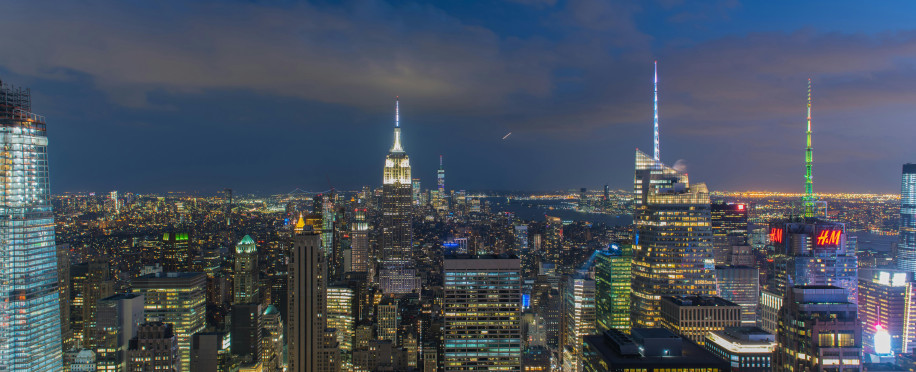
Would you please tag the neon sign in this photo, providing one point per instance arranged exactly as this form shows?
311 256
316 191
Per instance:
828 237
776 235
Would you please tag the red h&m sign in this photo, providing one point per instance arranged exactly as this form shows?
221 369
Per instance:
776 235
828 238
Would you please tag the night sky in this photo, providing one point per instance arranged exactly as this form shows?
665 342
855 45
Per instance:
269 96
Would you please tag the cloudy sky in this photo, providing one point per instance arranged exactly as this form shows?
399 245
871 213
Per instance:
270 96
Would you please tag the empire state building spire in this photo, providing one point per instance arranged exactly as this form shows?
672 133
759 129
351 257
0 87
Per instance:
397 127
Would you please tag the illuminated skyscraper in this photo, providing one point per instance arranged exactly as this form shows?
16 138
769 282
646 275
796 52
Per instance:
741 285
612 286
813 252
341 316
673 250
178 299
30 338
887 308
246 271
310 348
359 242
906 247
440 178
482 311
398 273
580 320
729 229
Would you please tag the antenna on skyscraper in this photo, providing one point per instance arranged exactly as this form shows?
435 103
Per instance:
809 199
397 118
656 154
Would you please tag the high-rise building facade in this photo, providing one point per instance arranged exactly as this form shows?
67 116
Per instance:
119 317
397 274
580 320
246 272
695 316
359 242
309 348
30 339
342 318
155 349
812 252
818 330
612 287
178 299
906 247
673 243
887 309
741 285
729 229
482 313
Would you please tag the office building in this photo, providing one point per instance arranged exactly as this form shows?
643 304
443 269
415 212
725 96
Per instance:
246 332
175 252
729 229
155 349
397 274
906 246
119 317
272 345
31 339
580 319
747 349
812 252
309 347
359 242
210 353
536 359
245 277
388 319
673 246
341 317
612 287
178 299
647 350
768 310
97 285
695 316
482 313
818 330
887 309
741 285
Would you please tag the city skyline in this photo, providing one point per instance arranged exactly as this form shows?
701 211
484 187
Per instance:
731 93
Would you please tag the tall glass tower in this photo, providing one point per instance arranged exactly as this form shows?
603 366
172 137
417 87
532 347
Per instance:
906 249
29 312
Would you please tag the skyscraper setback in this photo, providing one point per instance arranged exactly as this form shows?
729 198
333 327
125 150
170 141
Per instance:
673 238
30 338
398 273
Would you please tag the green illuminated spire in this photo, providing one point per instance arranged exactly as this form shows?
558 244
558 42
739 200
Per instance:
809 199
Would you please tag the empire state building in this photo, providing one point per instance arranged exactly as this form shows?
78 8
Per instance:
398 273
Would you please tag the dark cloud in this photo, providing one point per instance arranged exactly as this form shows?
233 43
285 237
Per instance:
573 86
